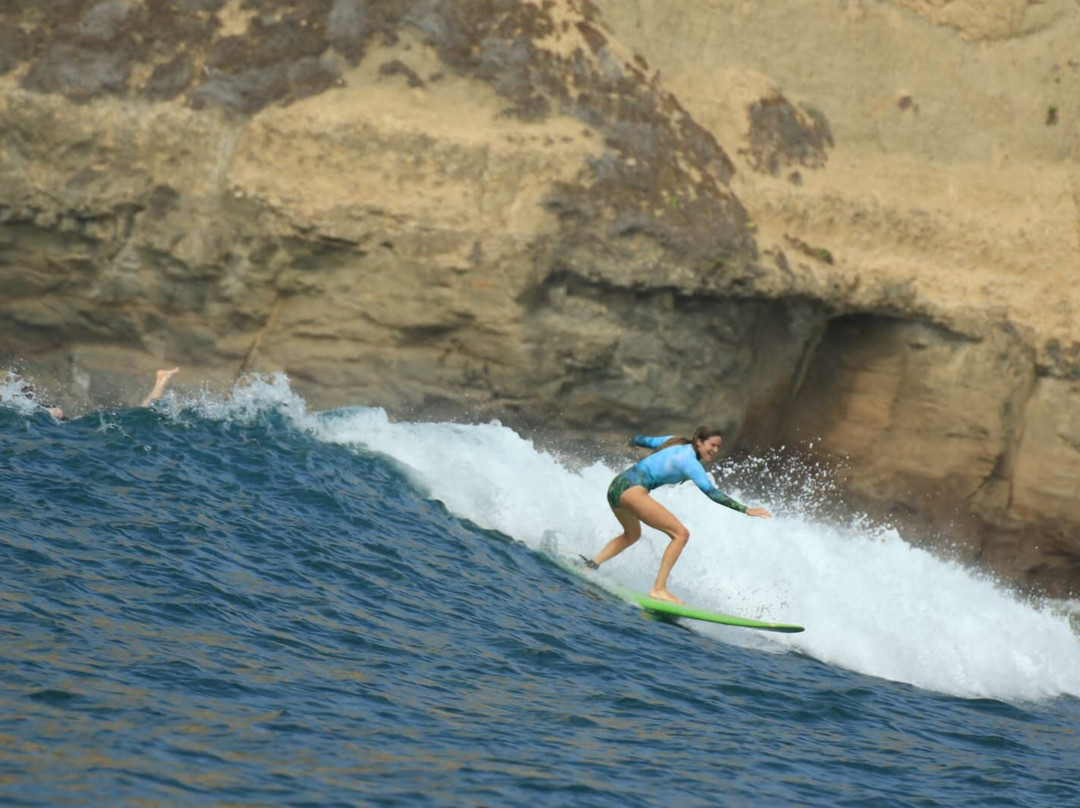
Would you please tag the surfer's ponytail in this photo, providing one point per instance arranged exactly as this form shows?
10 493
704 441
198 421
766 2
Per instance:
702 433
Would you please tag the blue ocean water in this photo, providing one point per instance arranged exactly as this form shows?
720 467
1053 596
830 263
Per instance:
235 601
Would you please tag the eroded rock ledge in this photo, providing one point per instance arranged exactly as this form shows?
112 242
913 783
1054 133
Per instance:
553 213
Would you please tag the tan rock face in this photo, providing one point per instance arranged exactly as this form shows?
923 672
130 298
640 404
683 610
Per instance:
852 224
990 19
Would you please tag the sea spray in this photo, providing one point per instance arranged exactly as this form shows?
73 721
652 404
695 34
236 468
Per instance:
871 601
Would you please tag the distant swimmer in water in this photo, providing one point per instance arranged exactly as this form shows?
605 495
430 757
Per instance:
160 383
674 460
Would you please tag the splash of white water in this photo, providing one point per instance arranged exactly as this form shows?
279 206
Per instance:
871 602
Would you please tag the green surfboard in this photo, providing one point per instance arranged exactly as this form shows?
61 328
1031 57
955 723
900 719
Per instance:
662 607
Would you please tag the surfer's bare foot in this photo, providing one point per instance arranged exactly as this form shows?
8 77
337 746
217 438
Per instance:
663 594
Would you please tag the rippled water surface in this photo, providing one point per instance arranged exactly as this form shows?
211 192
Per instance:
242 603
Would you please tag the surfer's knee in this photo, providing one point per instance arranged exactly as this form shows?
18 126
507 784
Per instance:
679 535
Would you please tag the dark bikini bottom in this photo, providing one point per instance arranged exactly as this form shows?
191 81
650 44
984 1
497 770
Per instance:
626 479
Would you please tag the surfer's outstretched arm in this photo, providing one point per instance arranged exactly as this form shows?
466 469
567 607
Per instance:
718 496
695 471
161 381
647 442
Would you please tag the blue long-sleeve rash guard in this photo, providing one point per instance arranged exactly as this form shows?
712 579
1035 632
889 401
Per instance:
674 465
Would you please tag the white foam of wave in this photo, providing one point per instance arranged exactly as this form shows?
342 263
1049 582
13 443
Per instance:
871 602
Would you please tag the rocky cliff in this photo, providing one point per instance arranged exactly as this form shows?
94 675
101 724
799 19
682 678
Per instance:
851 227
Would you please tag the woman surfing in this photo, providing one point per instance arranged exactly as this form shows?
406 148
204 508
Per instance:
674 460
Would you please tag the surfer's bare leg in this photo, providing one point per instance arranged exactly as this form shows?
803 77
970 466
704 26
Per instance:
160 383
667 561
655 515
631 526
